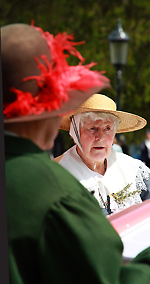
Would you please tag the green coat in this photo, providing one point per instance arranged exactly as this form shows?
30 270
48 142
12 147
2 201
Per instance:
56 230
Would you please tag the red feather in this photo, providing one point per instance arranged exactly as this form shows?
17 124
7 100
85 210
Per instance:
55 80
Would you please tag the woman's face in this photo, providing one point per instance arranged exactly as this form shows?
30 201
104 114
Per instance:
97 138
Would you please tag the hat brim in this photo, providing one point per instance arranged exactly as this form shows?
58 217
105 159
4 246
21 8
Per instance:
76 98
128 122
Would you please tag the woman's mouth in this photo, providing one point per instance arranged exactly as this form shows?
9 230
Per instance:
98 148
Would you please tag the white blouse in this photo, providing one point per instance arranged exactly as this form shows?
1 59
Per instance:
123 181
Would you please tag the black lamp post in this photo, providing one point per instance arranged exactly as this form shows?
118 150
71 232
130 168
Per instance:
118 45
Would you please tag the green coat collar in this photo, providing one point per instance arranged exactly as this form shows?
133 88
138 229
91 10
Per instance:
18 146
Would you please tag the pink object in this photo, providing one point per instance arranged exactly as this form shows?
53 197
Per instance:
129 217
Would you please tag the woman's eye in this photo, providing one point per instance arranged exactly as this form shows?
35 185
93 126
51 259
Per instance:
92 128
107 127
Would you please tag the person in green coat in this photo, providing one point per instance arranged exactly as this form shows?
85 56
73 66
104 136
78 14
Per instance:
57 232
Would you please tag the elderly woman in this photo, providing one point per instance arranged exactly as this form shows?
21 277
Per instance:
116 180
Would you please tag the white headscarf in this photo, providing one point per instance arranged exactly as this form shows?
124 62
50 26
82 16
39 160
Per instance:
74 129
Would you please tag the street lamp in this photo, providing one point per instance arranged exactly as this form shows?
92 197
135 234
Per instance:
118 45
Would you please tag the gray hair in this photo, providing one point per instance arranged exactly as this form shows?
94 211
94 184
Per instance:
92 115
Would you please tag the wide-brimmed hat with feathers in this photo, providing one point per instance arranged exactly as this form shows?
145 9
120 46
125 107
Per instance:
101 103
38 82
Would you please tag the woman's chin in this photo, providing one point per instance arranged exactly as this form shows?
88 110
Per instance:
98 156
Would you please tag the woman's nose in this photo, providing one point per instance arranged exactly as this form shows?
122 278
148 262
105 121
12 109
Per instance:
99 135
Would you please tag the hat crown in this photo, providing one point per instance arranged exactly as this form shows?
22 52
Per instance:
20 44
99 102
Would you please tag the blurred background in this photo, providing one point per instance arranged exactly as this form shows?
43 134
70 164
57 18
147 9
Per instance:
93 21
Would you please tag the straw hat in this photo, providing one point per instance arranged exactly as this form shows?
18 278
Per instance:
101 103
38 83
